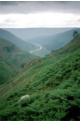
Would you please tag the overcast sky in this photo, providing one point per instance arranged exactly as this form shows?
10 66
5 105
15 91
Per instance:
39 14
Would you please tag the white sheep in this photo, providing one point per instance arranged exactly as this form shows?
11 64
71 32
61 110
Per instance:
25 97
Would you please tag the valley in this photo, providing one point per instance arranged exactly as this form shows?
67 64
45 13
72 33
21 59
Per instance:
44 82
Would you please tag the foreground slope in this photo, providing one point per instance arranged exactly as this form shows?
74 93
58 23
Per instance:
12 60
53 85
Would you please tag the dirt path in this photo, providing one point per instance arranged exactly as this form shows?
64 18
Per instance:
38 49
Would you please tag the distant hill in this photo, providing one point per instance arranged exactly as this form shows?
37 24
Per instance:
25 46
53 42
49 38
30 33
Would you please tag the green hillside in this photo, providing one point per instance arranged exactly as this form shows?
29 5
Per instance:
53 87
12 60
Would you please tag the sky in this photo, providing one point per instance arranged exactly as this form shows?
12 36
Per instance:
39 14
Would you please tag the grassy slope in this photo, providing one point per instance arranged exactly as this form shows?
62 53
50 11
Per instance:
12 60
53 84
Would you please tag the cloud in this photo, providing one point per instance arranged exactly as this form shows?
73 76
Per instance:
31 7
39 14
45 19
